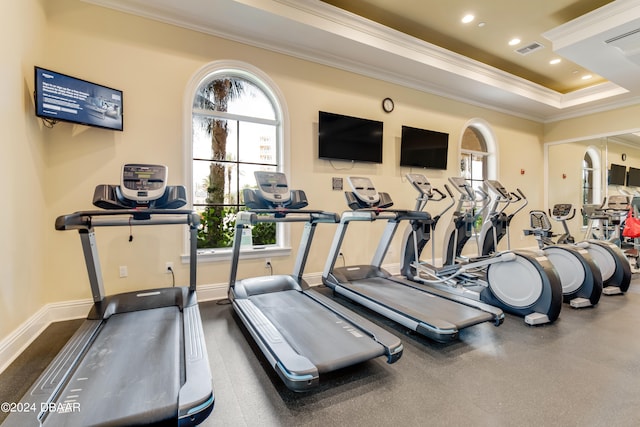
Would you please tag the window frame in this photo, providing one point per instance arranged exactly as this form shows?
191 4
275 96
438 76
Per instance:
596 171
261 80
491 146
489 157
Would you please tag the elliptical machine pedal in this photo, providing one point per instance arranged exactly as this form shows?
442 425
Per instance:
534 319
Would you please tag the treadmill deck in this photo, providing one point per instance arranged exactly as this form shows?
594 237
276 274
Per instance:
443 316
133 364
323 337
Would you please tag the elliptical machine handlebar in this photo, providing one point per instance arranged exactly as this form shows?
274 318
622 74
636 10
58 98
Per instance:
425 193
519 198
446 187
449 206
485 201
442 195
516 197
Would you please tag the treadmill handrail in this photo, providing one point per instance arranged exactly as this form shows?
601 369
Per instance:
255 216
250 217
85 220
384 214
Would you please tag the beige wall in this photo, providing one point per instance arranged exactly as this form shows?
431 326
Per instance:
23 225
153 63
614 122
565 181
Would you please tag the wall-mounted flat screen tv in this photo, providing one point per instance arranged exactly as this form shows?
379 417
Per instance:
60 97
423 148
633 177
617 174
349 138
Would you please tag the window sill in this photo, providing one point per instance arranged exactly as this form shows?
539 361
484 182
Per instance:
217 255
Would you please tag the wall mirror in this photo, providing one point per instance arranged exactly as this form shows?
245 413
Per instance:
577 172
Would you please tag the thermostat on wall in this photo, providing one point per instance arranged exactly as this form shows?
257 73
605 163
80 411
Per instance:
336 183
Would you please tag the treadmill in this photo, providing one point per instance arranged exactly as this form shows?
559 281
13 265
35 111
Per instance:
429 311
140 357
301 332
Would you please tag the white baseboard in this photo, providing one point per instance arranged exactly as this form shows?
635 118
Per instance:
16 342
212 292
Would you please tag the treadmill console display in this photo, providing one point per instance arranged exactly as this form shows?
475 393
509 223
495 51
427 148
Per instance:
143 183
420 183
363 189
272 186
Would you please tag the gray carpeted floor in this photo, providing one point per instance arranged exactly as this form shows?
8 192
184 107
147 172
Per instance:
583 370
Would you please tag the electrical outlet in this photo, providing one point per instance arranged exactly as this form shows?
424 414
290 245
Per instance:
168 267
124 271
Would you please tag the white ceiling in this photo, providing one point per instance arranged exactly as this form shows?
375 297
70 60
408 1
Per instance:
605 41
487 36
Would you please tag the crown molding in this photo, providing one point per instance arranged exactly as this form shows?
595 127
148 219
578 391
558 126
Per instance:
330 36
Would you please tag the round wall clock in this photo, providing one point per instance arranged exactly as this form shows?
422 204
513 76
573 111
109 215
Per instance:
387 105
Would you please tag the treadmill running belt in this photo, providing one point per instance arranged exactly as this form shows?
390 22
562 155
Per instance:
323 337
418 304
131 373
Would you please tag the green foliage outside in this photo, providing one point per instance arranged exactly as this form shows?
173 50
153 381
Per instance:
217 228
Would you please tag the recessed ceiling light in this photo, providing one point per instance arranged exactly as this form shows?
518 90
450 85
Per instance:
468 18
514 42
481 24
555 61
586 77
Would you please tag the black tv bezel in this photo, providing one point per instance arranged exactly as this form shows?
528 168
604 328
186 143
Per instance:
54 119
610 175
404 162
637 174
379 157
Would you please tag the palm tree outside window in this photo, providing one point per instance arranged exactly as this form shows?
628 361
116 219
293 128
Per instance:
235 131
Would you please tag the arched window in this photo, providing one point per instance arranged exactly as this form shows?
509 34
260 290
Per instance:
478 152
591 179
236 127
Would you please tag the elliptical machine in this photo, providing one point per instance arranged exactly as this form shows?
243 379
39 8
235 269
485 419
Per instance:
496 223
580 278
537 296
605 221
580 275
611 261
